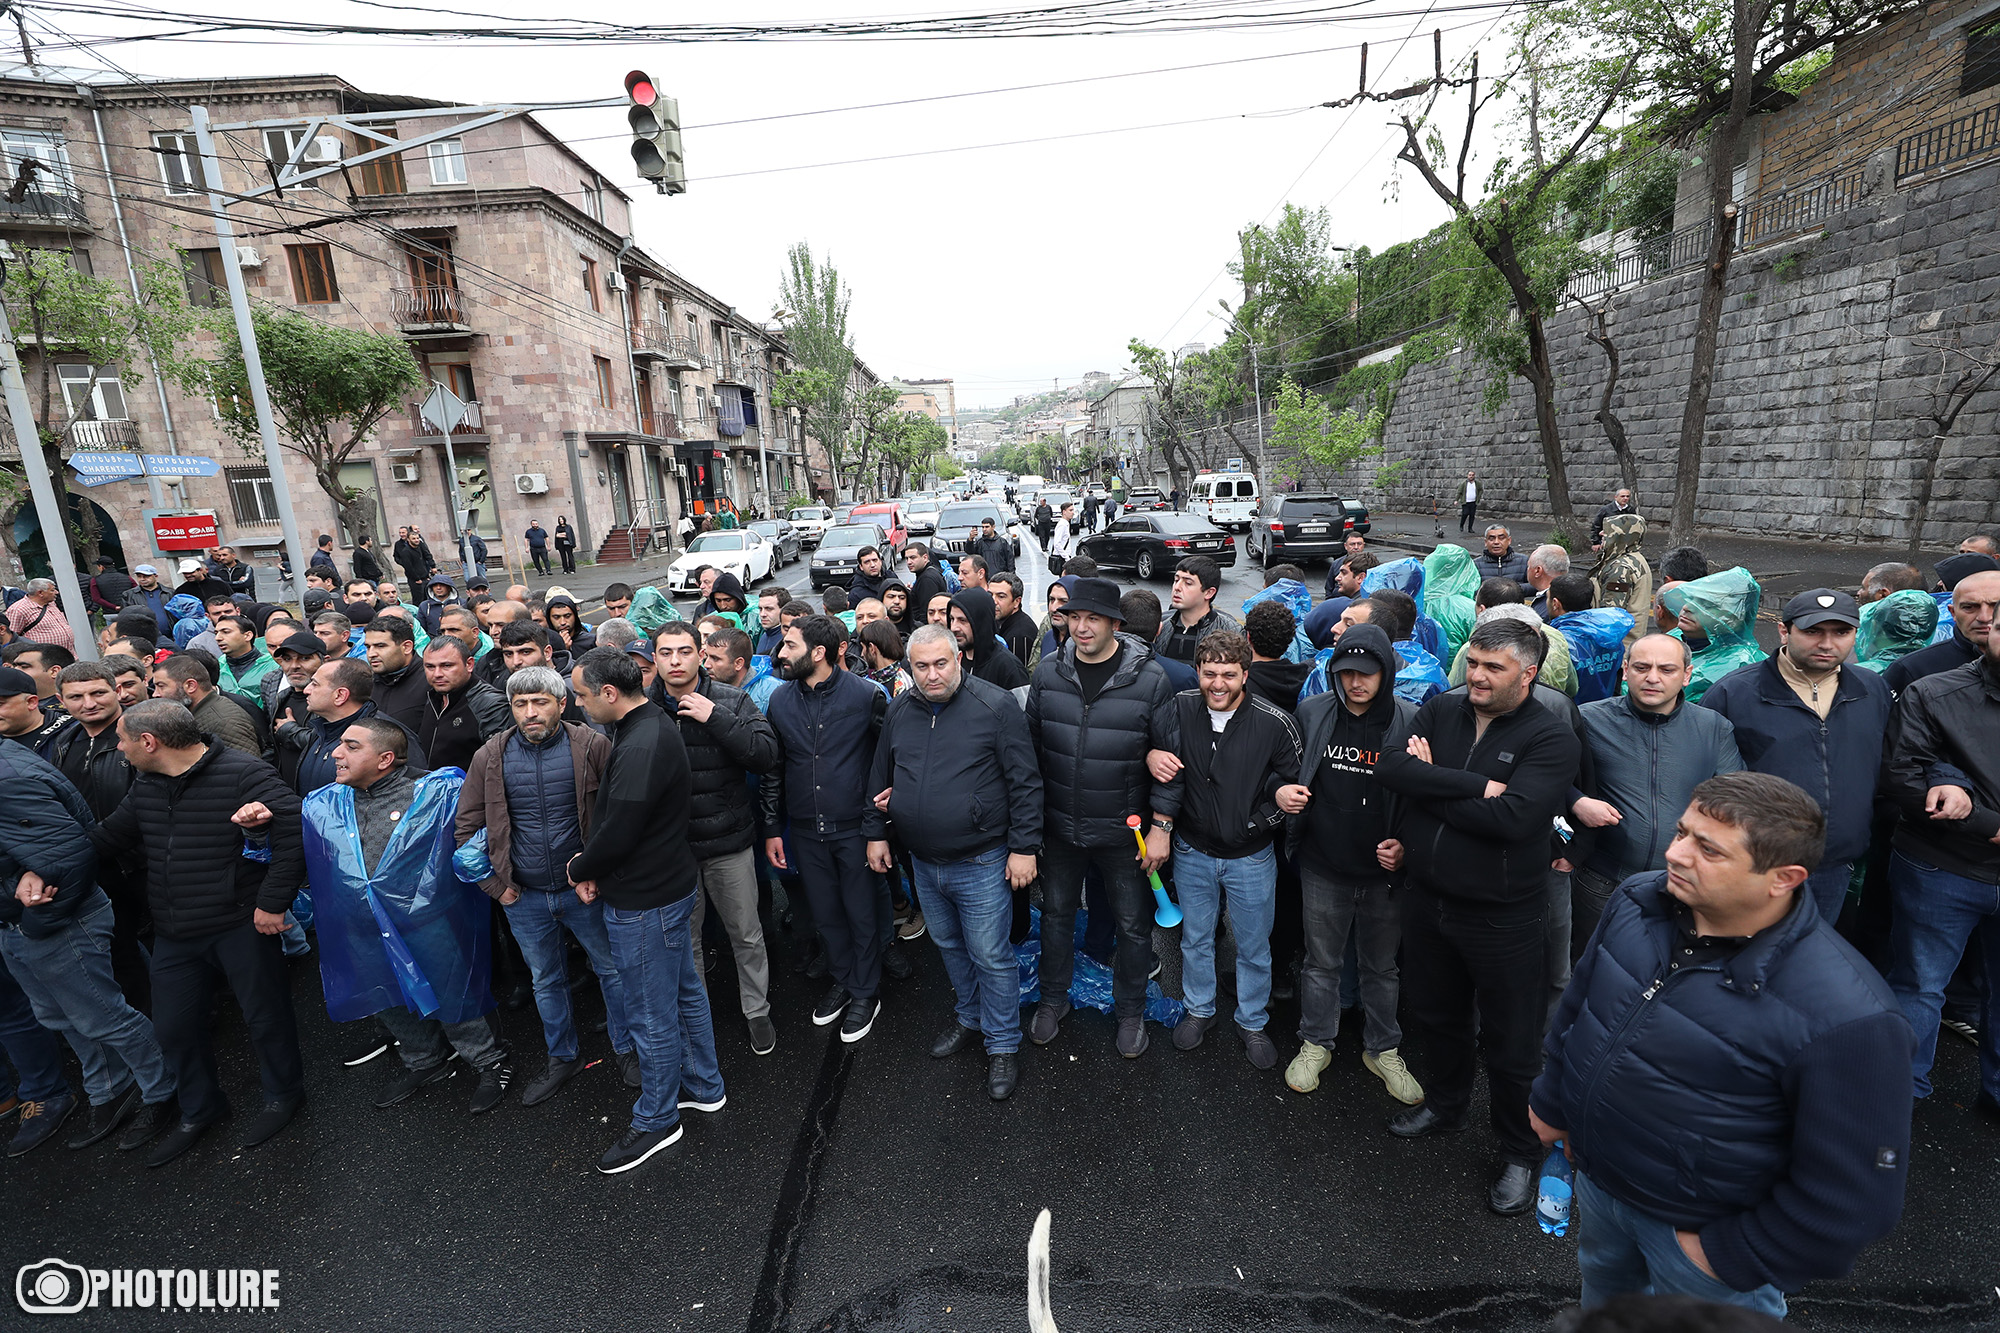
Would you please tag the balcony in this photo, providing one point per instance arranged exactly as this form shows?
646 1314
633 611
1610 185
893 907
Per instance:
103 435
432 310
652 342
40 207
660 425
473 425
733 370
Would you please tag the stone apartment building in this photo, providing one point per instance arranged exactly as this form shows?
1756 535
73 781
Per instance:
600 384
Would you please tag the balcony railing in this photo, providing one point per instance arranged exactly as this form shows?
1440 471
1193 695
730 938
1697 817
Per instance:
732 370
660 425
1769 218
429 307
103 434
55 208
474 423
1953 141
653 341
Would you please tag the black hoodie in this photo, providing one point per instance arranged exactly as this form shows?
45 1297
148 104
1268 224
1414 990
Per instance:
1279 682
728 585
584 639
991 662
1351 812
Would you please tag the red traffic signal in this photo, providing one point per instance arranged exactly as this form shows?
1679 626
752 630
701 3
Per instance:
639 87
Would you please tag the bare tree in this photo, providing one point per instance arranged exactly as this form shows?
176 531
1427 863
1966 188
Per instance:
1961 376
1598 330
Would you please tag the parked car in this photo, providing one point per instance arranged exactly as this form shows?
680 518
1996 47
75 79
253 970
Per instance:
1149 544
887 515
1303 527
812 521
958 523
784 539
839 553
920 515
1144 500
744 553
1226 499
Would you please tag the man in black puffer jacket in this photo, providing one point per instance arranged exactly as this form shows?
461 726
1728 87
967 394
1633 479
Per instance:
1483 776
218 903
460 713
1095 711
727 738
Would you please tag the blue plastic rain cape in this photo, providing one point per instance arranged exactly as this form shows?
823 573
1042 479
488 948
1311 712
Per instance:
1299 602
1596 640
471 862
1896 626
1405 575
1090 982
1724 605
1451 581
412 935
1418 674
1946 626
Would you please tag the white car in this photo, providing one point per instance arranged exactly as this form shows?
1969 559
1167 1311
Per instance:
920 515
743 553
812 521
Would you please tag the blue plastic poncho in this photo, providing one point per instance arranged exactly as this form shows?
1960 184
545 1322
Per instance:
1090 983
1299 601
1596 640
1946 626
1724 607
1895 626
1405 575
1418 674
189 621
1451 582
413 934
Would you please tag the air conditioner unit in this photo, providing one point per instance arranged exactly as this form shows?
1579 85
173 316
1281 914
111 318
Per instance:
325 148
531 483
249 256
715 401
615 280
403 471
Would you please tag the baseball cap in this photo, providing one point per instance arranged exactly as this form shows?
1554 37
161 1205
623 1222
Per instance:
1354 658
1816 606
303 642
145 569
192 566
15 681
640 648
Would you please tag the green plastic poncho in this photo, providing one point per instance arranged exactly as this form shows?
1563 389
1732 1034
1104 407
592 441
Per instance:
1450 585
1894 627
1558 671
1724 607
651 609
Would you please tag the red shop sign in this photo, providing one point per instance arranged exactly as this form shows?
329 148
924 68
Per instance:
185 532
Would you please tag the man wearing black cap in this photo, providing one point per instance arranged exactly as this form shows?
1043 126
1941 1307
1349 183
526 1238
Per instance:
22 717
1974 583
1799 716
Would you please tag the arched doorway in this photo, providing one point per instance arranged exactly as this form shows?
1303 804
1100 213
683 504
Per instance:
34 549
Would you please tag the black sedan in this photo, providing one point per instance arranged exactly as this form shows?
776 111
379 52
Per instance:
1145 499
839 553
1303 527
784 539
1149 544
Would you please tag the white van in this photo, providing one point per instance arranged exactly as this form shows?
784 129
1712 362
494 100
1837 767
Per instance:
1226 499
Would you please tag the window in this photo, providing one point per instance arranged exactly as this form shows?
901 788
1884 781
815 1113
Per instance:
50 174
1982 59
180 165
430 262
592 200
385 174
458 378
590 283
92 393
312 274
207 284
252 495
279 145
646 422
602 365
447 157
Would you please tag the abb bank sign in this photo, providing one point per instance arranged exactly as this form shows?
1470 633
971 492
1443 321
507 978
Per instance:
194 531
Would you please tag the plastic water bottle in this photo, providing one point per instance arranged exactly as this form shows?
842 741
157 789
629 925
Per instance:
1553 1198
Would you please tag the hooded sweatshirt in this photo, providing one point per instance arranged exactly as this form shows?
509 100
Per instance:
728 585
1350 811
989 659
1279 681
584 640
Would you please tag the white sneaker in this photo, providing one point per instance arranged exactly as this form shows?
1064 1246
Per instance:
1395 1076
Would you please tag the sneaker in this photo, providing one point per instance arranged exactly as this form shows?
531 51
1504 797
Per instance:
104 1120
763 1035
1049 1015
150 1121
860 1017
911 927
1302 1074
1959 1027
493 1081
268 1123
1258 1046
896 964
39 1123
1395 1076
1132 1039
628 1068
707 1108
367 1050
1190 1030
550 1081
635 1147
406 1082
830 1007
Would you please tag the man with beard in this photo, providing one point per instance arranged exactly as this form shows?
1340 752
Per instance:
1011 621
971 623
460 714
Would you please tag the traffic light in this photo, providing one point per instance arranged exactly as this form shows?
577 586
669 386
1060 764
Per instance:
656 134
475 486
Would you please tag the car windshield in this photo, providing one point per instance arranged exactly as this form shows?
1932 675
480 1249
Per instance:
925 506
716 541
853 536
968 515
1146 493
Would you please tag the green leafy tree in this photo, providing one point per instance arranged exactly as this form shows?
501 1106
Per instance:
330 388
1306 428
71 317
821 384
1173 409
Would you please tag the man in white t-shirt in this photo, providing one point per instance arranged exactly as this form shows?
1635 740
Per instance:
1468 514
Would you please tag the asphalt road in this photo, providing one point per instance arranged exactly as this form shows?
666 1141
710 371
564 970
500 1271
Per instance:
869 1187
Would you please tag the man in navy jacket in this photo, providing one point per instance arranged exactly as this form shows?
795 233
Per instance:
1725 1072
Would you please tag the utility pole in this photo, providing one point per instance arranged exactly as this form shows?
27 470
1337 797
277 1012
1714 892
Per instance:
55 524
1257 392
246 336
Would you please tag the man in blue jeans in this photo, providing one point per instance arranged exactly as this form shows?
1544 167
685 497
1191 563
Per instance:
637 861
955 773
35 1086
55 938
1240 759
1943 773
1725 1071
534 790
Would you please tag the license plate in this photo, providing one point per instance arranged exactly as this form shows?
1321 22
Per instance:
1312 529
1207 546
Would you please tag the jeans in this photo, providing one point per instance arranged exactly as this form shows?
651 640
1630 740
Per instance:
1621 1250
538 917
1338 909
427 1043
1249 886
730 881
540 556
67 978
969 909
1468 514
1589 894
1828 886
32 1049
184 976
666 1003
1063 865
847 902
1473 976
1556 933
1936 912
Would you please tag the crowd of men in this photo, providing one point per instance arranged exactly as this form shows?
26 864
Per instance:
1705 945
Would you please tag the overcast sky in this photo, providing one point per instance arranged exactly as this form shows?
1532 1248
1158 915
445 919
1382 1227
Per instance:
1008 269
